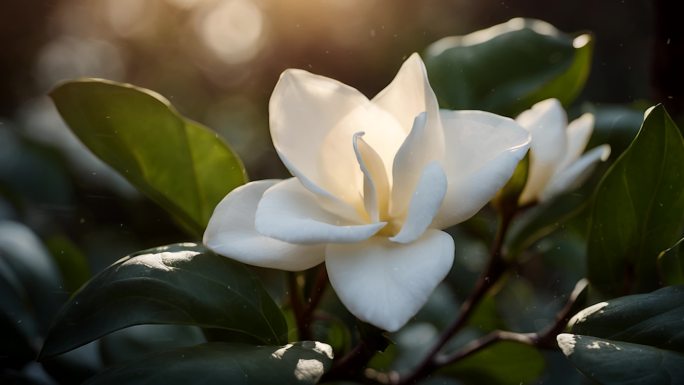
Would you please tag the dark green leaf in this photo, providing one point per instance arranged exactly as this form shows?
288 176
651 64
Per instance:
222 363
137 341
653 319
75 366
638 209
500 364
621 363
177 284
181 165
635 339
508 67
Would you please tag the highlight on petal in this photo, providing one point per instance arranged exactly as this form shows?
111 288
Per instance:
303 109
231 233
425 203
410 99
413 156
576 173
289 212
408 164
482 151
313 120
386 283
339 173
375 183
578 134
546 122
329 202
409 94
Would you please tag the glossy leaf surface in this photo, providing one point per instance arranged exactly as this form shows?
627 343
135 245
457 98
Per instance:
178 163
176 284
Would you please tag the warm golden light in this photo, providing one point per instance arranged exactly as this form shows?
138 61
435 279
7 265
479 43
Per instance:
232 30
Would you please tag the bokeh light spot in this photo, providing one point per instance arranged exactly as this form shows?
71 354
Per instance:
232 30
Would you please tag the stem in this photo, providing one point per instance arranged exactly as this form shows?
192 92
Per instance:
495 269
348 367
317 292
483 342
351 366
303 330
545 339
304 312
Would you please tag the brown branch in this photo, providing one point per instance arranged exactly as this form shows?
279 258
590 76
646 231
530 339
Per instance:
495 269
304 312
316 293
483 342
351 366
303 331
545 339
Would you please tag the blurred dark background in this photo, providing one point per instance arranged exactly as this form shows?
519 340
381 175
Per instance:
218 60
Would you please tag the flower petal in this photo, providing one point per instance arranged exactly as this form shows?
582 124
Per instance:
303 109
327 200
409 94
576 173
482 151
546 121
406 98
289 212
375 183
386 283
313 120
414 155
231 233
578 134
424 205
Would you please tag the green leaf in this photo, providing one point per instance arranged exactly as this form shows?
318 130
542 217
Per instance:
614 125
176 284
137 341
508 67
638 209
622 363
652 319
222 363
635 339
181 165
501 364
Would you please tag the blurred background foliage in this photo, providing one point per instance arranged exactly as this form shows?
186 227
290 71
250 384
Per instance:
217 62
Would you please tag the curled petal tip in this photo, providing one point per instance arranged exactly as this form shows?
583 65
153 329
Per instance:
605 153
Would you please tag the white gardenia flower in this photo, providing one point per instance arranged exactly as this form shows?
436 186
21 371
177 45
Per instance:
374 182
556 161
